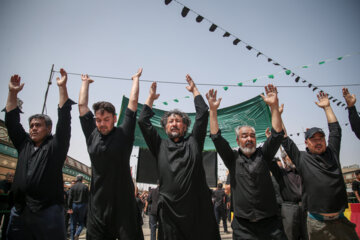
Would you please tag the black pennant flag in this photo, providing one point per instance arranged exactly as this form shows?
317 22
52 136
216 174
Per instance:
269 59
304 81
167 2
276 64
331 97
226 34
249 47
335 100
199 18
343 105
314 88
212 28
185 11
310 85
259 53
338 103
297 79
236 41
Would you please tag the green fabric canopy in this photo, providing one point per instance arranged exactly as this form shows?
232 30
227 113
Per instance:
253 112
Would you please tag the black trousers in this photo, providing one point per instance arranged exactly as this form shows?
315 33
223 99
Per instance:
294 220
264 229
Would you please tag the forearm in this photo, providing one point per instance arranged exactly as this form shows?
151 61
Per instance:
63 95
330 115
84 98
276 120
134 95
149 102
214 125
11 103
195 92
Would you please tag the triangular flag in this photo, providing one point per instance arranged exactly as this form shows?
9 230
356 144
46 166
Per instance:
225 88
269 59
185 11
249 47
212 28
258 54
167 2
254 80
187 97
314 88
330 97
240 84
276 64
339 58
165 103
322 62
338 103
236 41
271 76
176 100
304 81
226 34
343 105
199 18
310 85
287 72
305 66
297 79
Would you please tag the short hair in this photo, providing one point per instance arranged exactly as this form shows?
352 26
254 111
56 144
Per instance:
46 118
79 178
104 106
220 185
357 172
283 155
237 129
185 118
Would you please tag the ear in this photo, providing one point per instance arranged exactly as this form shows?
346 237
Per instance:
238 141
114 118
49 128
306 142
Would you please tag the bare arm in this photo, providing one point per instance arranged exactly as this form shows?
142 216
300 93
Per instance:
134 94
61 82
15 86
84 94
214 105
324 103
152 95
192 87
271 99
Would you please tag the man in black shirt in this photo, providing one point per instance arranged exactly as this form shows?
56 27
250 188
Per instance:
353 115
112 210
323 183
253 196
185 208
5 202
220 200
356 185
78 200
153 200
38 183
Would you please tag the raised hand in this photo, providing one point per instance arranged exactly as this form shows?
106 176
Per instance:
271 98
281 108
267 133
349 98
86 78
323 100
15 84
213 102
152 92
137 75
62 81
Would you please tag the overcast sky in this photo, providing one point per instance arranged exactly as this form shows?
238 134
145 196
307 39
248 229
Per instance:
115 38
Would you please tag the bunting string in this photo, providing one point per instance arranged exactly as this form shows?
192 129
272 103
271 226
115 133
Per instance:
213 27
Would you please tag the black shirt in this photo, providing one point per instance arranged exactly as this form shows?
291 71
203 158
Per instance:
289 182
112 206
185 198
252 191
354 121
219 198
323 182
79 193
356 186
38 180
153 199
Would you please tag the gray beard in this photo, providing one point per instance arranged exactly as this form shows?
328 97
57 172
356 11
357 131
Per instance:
173 135
248 150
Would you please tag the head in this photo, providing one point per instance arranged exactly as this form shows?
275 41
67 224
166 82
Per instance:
220 185
73 182
357 174
246 139
79 178
40 126
105 117
315 140
9 177
175 124
287 161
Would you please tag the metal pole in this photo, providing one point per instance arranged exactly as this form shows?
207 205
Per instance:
47 90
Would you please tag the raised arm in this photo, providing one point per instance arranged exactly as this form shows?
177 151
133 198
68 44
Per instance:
61 82
214 105
324 103
192 87
271 99
84 94
134 94
15 86
152 95
353 115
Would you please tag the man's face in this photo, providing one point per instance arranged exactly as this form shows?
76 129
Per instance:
316 144
247 140
10 177
104 122
175 127
38 130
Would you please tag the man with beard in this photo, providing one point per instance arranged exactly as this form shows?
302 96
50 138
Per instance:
353 115
323 183
184 208
253 195
112 210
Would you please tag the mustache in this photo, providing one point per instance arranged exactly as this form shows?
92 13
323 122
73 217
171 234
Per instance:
248 143
318 145
174 128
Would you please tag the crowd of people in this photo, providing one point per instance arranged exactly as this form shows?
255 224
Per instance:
310 183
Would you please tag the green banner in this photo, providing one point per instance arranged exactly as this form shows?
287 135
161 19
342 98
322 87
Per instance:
253 112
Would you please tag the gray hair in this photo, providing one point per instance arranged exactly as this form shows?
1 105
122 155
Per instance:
45 117
185 118
237 129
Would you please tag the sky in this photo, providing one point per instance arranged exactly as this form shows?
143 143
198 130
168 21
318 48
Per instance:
116 37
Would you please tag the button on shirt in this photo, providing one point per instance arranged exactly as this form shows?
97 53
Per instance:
251 186
38 180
